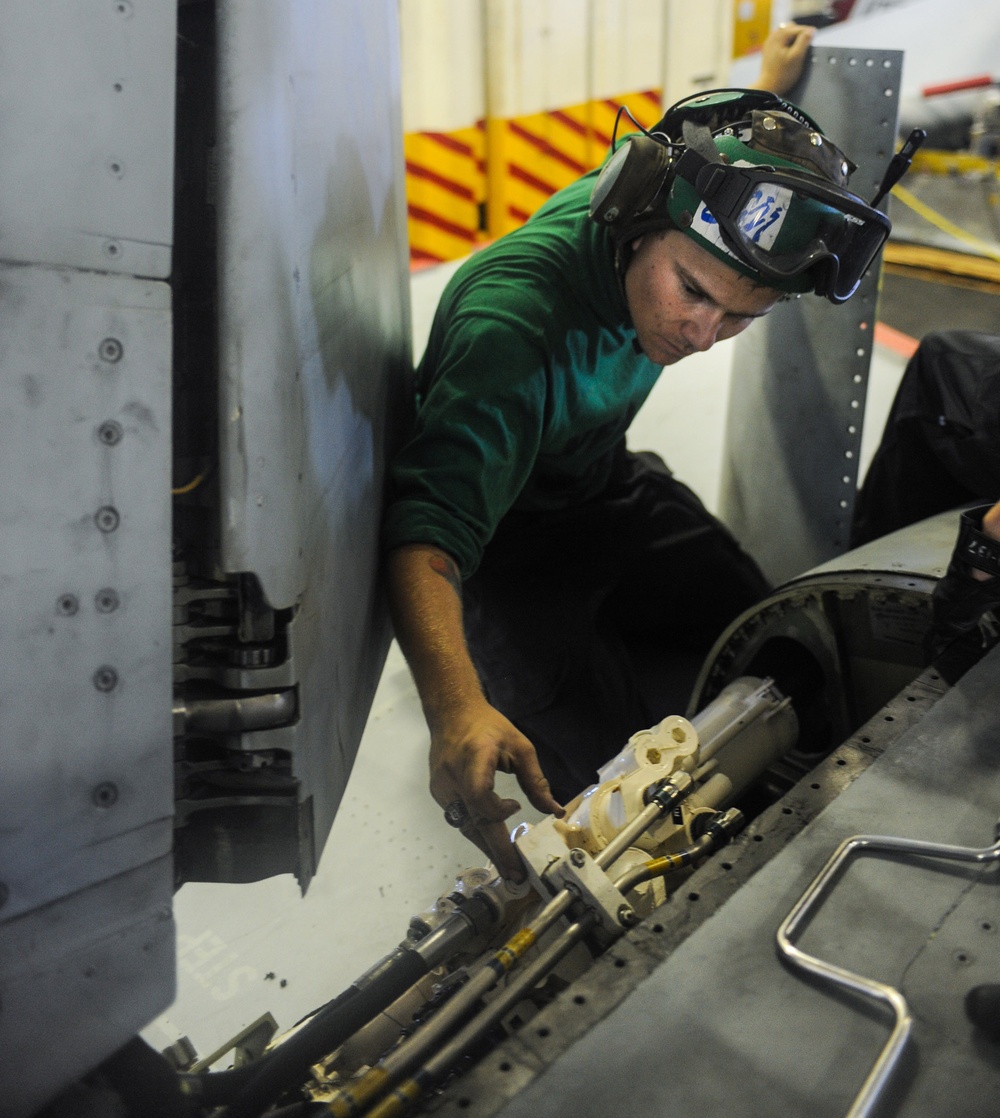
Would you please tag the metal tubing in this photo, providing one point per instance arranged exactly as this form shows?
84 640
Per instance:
405 1057
443 942
660 867
451 1052
239 714
439 1063
412 1051
451 1014
681 786
884 1066
356 1099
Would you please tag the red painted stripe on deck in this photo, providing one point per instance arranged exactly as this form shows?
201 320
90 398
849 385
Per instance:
895 340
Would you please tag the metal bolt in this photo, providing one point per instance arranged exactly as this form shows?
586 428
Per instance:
110 432
110 350
770 123
252 656
112 250
67 605
105 794
815 139
105 678
116 168
107 519
627 917
106 601
124 9
577 857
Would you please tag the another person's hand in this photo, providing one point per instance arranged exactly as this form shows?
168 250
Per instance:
783 56
966 602
990 527
465 756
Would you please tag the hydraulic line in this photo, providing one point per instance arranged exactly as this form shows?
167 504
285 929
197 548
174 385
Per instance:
661 799
356 1098
869 1095
237 714
253 1089
437 1066
288 1064
720 830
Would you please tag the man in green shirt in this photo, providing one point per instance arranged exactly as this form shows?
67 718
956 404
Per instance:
532 560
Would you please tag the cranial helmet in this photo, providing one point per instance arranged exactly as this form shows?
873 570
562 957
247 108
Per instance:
754 181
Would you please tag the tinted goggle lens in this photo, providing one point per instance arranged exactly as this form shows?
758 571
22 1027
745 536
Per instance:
750 207
844 243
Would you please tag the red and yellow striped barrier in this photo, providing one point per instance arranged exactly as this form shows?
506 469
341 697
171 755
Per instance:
531 157
445 192
507 167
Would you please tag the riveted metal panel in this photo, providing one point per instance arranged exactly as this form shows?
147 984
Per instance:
86 765
86 178
84 588
78 978
793 431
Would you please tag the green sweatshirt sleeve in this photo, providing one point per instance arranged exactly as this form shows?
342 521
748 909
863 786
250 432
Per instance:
475 441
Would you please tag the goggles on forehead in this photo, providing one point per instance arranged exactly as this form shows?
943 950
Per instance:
749 205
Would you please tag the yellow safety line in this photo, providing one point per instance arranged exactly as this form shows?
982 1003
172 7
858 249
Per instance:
942 223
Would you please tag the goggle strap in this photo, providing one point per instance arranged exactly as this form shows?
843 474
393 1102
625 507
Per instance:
698 138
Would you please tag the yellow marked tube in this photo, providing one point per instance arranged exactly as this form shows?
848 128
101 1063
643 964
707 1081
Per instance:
521 942
396 1104
665 864
352 1100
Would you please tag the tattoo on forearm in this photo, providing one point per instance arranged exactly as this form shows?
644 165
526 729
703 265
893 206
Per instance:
448 570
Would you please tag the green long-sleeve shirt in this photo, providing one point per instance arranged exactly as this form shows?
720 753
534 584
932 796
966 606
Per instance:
530 378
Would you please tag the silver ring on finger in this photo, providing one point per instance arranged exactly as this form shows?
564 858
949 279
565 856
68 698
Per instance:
456 814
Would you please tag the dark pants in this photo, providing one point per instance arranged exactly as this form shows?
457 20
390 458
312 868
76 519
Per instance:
589 623
941 446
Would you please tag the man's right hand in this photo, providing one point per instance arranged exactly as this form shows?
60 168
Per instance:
470 740
467 749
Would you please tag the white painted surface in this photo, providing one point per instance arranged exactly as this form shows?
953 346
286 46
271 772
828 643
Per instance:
444 83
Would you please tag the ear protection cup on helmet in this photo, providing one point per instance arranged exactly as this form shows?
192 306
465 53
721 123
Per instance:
630 180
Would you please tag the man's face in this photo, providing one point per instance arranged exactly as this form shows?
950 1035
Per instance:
683 299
